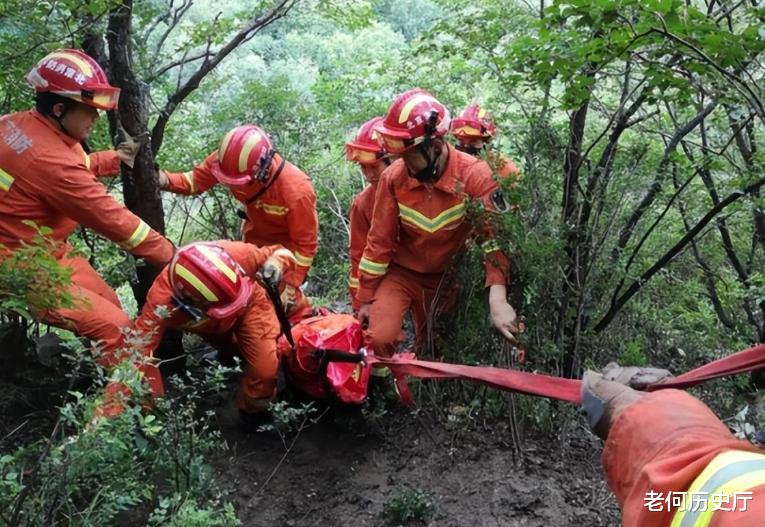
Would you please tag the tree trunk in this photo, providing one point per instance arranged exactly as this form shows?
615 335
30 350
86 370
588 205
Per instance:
140 187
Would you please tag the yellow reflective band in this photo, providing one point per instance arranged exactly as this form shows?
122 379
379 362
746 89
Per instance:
729 473
417 219
195 282
6 180
138 236
82 64
274 210
490 246
252 140
224 145
217 262
87 160
303 260
372 267
189 177
353 282
409 106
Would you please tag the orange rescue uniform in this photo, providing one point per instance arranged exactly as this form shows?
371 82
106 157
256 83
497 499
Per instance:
46 178
360 220
252 332
416 231
284 214
669 443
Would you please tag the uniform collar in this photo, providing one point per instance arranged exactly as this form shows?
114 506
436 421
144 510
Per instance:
447 180
67 139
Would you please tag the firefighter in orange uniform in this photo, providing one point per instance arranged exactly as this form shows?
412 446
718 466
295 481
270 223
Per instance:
419 223
279 201
474 129
365 150
208 289
47 178
667 447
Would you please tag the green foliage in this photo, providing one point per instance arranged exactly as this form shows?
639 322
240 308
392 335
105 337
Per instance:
32 280
409 506
93 469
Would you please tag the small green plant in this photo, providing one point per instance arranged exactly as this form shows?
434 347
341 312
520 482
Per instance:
633 355
31 279
408 506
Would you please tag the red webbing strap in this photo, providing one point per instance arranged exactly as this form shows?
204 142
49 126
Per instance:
568 390
745 361
517 381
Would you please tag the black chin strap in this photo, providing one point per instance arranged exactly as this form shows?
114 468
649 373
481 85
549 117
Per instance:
429 172
472 150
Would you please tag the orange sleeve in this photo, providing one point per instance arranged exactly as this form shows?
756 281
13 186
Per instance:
195 181
358 239
381 240
105 163
303 225
661 443
150 326
85 200
482 186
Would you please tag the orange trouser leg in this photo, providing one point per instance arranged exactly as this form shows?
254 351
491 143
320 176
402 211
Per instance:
429 305
96 313
256 336
392 300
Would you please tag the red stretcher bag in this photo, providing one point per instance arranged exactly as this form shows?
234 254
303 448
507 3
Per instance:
327 362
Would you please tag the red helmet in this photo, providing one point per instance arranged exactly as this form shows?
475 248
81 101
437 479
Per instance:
413 116
365 149
473 123
206 277
74 75
244 155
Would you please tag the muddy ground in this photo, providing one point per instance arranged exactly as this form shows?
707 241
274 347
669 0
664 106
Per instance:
348 468
353 465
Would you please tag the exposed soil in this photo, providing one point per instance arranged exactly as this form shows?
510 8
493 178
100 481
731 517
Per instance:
347 468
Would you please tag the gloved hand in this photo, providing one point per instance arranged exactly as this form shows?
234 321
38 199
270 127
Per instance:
162 178
634 376
603 401
127 150
271 272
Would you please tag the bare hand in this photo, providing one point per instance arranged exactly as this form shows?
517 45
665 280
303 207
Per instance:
288 297
503 316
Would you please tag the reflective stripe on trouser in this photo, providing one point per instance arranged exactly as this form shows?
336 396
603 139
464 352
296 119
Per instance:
255 336
96 314
399 292
731 472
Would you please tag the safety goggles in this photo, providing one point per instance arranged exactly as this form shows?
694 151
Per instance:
102 98
467 131
363 157
395 145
